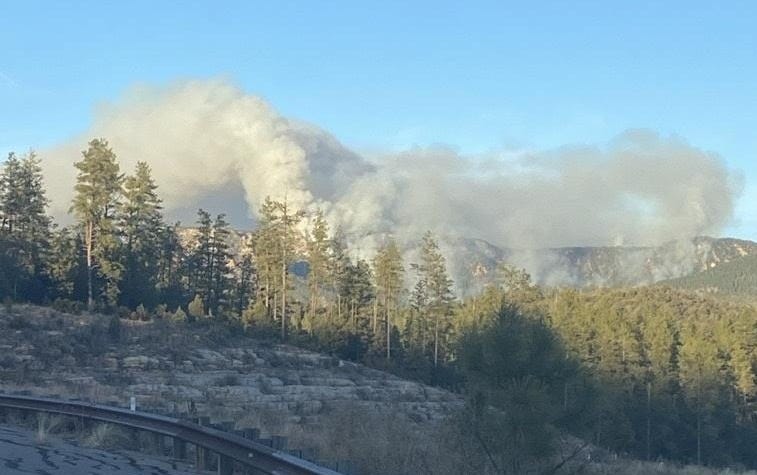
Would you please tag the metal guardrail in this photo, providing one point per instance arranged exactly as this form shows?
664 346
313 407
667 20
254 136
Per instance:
229 447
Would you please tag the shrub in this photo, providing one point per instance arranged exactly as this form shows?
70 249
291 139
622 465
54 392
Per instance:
179 316
196 308
140 313
161 311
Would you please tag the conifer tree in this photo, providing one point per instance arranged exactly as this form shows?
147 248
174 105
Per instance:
141 225
388 273
267 257
24 226
66 266
245 280
432 271
211 262
318 263
276 245
95 203
174 269
338 264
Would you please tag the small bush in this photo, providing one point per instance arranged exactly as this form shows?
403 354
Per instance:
196 308
179 316
161 311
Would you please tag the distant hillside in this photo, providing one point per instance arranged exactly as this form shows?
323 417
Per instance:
473 263
738 277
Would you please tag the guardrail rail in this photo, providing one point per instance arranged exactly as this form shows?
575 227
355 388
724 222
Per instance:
230 447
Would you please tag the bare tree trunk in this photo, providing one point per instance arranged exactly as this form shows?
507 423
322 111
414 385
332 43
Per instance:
89 235
374 324
388 333
283 298
436 340
649 421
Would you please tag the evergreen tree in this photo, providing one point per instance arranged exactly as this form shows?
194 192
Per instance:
211 262
338 264
141 224
66 266
267 258
174 268
25 228
432 271
388 273
245 280
318 263
95 203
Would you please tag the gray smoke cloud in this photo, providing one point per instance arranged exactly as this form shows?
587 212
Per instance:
210 140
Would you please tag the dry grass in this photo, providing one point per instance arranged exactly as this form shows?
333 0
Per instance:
633 467
106 436
48 424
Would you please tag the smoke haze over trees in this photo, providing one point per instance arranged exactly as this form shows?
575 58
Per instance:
652 372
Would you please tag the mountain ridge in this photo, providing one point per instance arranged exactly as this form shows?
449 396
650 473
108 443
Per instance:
473 263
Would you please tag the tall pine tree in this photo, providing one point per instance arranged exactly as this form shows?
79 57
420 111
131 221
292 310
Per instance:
141 226
95 204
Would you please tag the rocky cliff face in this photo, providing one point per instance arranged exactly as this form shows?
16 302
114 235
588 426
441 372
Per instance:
198 371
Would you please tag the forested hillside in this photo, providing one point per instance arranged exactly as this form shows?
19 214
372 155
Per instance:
652 372
735 278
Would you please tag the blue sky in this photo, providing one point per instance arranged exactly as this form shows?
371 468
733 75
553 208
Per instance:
387 75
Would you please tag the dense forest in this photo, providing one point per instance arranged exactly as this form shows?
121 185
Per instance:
735 278
653 372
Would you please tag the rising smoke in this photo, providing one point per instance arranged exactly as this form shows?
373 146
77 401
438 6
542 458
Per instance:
210 140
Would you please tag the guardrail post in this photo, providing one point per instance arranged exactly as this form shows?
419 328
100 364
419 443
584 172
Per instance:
179 449
251 433
225 465
278 442
199 457
157 443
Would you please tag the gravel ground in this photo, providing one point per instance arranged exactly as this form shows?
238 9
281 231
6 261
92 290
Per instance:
21 454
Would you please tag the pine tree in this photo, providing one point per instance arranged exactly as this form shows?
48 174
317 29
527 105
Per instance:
174 268
210 260
289 237
338 264
432 271
267 257
318 263
388 273
141 224
11 195
95 203
245 280
66 266
25 227
276 244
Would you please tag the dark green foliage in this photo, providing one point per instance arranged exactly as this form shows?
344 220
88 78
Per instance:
141 227
738 277
24 229
95 206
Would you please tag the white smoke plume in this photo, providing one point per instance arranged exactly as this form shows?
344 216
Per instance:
209 140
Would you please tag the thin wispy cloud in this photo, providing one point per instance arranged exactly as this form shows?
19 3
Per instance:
6 81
